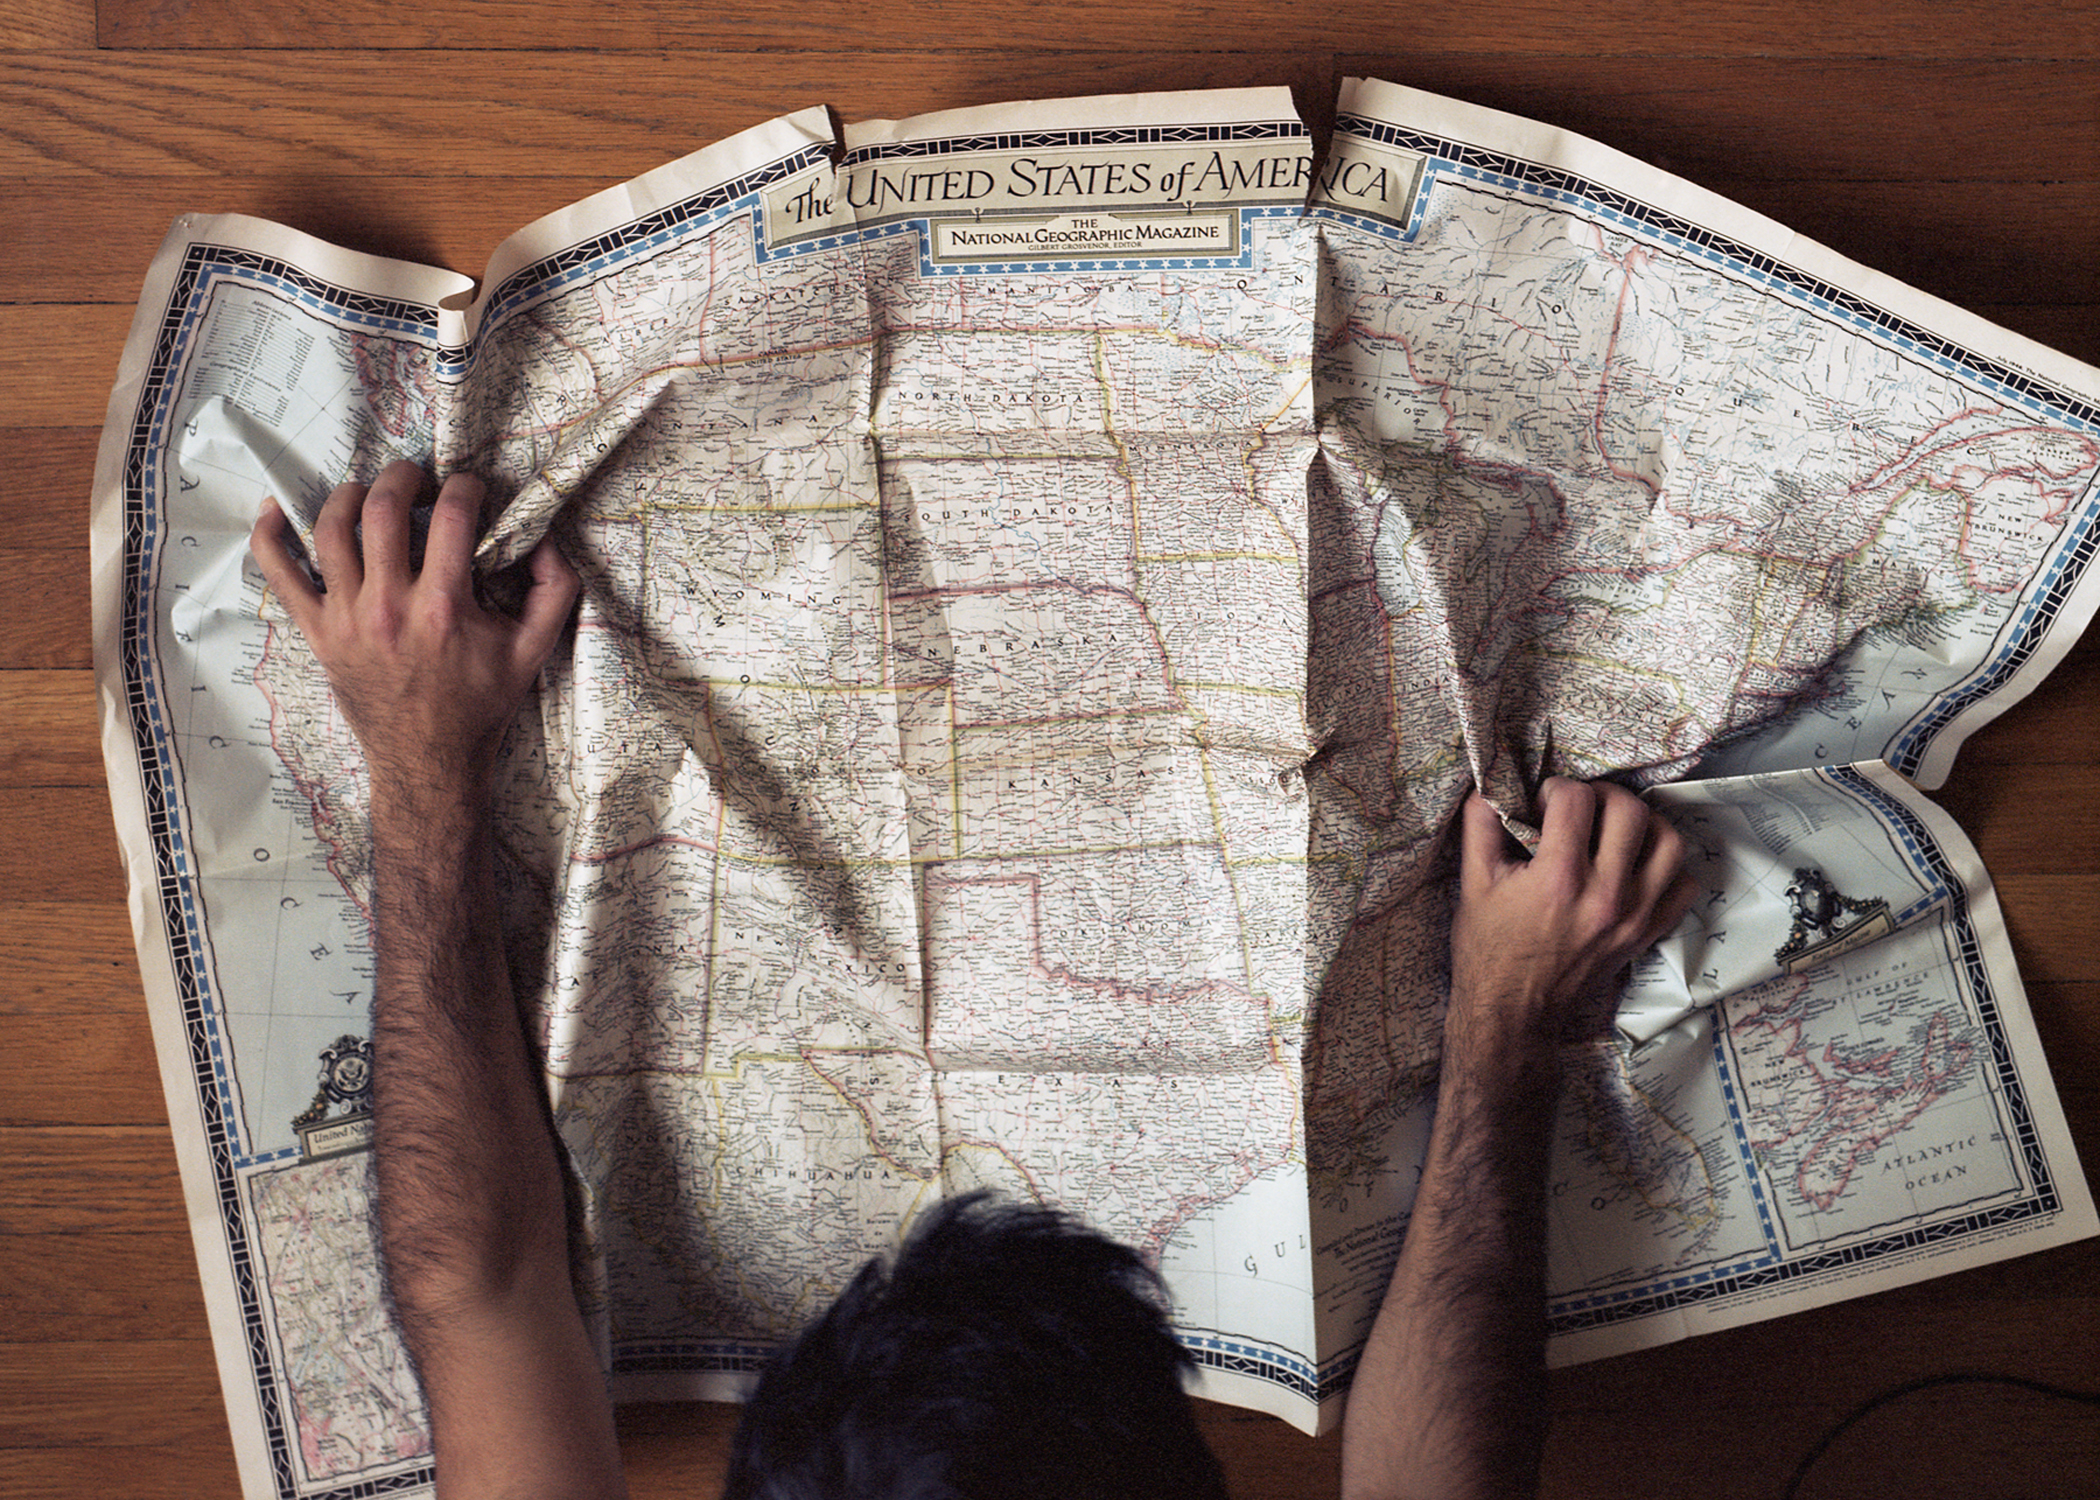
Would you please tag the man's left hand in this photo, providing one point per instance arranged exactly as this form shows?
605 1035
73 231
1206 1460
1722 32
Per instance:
428 677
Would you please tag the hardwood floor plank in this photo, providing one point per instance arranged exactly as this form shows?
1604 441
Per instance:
682 1449
1975 1440
676 1448
605 115
49 732
78 242
69 1071
193 1465
2046 821
1752 119
612 115
1902 28
2074 330
1267 1458
70 1288
66 958
28 25
2054 724
2050 918
1715 1416
89 1178
57 364
73 854
2067 1015
116 1393
2032 241
51 472
48 630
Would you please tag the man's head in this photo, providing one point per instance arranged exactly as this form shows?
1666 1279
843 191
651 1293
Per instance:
1005 1352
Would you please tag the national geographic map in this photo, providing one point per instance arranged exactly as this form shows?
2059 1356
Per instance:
1050 578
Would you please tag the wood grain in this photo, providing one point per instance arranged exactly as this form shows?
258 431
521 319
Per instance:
39 24
1952 143
72 1287
683 1451
2046 821
2074 330
50 475
612 115
81 242
89 1179
64 749
608 116
2067 1014
80 1071
57 363
63 959
2050 918
159 1376
1748 119
65 847
184 1464
2054 724
1825 28
49 628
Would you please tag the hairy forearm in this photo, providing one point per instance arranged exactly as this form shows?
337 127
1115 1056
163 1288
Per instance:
472 1226
472 1221
1450 1397
470 1192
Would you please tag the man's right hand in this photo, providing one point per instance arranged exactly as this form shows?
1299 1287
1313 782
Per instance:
1450 1397
1540 942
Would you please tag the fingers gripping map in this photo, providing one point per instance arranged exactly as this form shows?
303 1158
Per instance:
1050 577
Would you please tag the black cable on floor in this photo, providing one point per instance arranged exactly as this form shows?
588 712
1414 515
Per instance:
1911 1387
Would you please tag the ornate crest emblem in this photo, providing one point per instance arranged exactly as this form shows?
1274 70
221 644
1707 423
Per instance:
1827 922
339 1120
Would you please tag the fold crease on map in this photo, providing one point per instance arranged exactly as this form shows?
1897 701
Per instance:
1051 574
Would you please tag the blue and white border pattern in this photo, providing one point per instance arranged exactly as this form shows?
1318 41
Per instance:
1778 1266
2060 576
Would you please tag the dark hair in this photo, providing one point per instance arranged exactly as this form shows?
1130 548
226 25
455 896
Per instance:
1006 1353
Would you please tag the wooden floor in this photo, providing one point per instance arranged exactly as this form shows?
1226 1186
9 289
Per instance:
1956 145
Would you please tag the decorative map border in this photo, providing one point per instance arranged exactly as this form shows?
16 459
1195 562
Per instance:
1781 1265
174 872
1495 168
1230 133
588 259
2023 633
160 774
604 253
